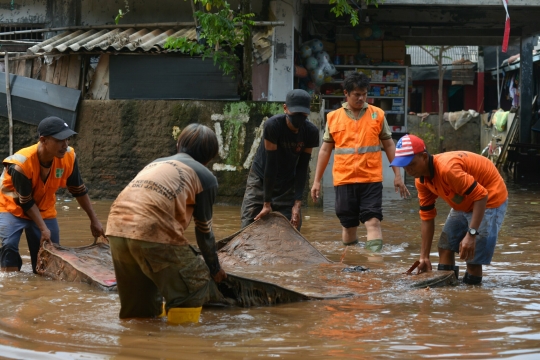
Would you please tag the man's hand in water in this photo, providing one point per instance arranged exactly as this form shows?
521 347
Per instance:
220 276
424 266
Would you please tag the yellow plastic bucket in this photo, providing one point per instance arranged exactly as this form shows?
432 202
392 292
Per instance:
183 315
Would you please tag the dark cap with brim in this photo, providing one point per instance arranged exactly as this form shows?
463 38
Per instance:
55 127
298 101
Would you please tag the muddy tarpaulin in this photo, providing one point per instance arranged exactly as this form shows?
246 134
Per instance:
87 264
268 262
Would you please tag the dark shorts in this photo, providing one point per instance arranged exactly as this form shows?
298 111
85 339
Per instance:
252 204
456 227
147 272
357 203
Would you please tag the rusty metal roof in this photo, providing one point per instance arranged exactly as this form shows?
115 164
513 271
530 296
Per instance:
136 40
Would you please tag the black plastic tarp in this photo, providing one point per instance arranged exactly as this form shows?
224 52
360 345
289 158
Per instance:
33 100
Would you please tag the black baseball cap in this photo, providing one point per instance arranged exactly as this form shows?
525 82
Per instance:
298 101
55 127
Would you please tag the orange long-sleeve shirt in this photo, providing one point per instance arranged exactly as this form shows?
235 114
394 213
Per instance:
460 178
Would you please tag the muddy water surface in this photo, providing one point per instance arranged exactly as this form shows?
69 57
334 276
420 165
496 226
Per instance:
45 319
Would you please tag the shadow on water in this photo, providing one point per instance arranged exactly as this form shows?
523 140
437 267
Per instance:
45 319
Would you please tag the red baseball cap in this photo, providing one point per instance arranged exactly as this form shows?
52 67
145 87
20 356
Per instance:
406 148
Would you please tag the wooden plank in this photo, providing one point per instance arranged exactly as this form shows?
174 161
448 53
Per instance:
28 64
102 71
50 72
103 91
36 68
64 70
14 64
43 71
57 70
21 68
74 72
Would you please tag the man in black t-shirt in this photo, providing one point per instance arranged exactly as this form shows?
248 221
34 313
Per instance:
278 175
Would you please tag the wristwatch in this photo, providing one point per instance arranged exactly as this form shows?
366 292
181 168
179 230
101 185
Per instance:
473 231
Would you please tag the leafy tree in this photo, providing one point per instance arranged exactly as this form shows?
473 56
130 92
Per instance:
219 33
342 7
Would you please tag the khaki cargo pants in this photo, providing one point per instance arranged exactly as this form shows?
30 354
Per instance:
147 272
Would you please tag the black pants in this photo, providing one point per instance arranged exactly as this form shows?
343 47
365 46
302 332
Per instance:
282 201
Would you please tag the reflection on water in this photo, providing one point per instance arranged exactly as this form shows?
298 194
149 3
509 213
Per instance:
45 319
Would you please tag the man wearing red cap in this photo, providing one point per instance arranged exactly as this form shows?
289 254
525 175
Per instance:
475 191
28 186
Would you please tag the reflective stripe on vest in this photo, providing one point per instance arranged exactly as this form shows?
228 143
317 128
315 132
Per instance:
17 157
360 150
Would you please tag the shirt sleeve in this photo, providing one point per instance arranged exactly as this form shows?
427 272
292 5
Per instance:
385 133
74 182
271 131
23 187
427 201
202 215
327 137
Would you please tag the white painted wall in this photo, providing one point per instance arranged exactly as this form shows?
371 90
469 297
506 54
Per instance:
281 72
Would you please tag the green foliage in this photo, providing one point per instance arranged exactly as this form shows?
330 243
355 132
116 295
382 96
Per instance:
427 133
220 33
233 125
121 13
342 7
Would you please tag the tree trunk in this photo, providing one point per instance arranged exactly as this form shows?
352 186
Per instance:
441 99
247 78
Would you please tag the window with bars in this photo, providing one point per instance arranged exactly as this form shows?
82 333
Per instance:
13 28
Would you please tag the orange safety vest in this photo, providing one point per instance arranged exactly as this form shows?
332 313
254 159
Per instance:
44 194
357 153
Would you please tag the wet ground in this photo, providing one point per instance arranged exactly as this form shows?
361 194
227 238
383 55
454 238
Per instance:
45 319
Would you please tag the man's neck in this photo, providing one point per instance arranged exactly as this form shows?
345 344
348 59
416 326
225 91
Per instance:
44 158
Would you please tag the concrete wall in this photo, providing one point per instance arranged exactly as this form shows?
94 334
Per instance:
57 13
118 138
24 12
466 137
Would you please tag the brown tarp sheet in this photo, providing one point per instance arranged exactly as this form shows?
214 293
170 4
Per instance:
268 262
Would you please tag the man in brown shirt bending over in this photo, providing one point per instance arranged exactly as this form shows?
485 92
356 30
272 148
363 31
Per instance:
152 257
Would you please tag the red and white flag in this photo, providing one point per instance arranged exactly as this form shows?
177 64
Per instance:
506 27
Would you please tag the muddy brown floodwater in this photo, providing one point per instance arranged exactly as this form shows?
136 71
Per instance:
45 319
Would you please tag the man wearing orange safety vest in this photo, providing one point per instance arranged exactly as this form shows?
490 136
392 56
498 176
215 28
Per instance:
356 132
475 191
28 186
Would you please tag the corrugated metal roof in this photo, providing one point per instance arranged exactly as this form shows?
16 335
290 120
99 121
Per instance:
136 40
420 57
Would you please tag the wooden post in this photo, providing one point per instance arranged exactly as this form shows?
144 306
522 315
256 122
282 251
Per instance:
8 102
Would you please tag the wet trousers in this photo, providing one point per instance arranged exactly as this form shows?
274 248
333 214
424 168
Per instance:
147 272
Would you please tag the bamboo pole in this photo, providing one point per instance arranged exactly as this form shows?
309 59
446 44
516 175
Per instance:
8 102
126 26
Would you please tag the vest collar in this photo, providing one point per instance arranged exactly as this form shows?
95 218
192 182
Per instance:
346 105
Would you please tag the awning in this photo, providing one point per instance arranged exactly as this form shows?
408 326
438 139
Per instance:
137 40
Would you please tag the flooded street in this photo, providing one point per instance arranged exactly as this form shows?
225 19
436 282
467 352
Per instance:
45 319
